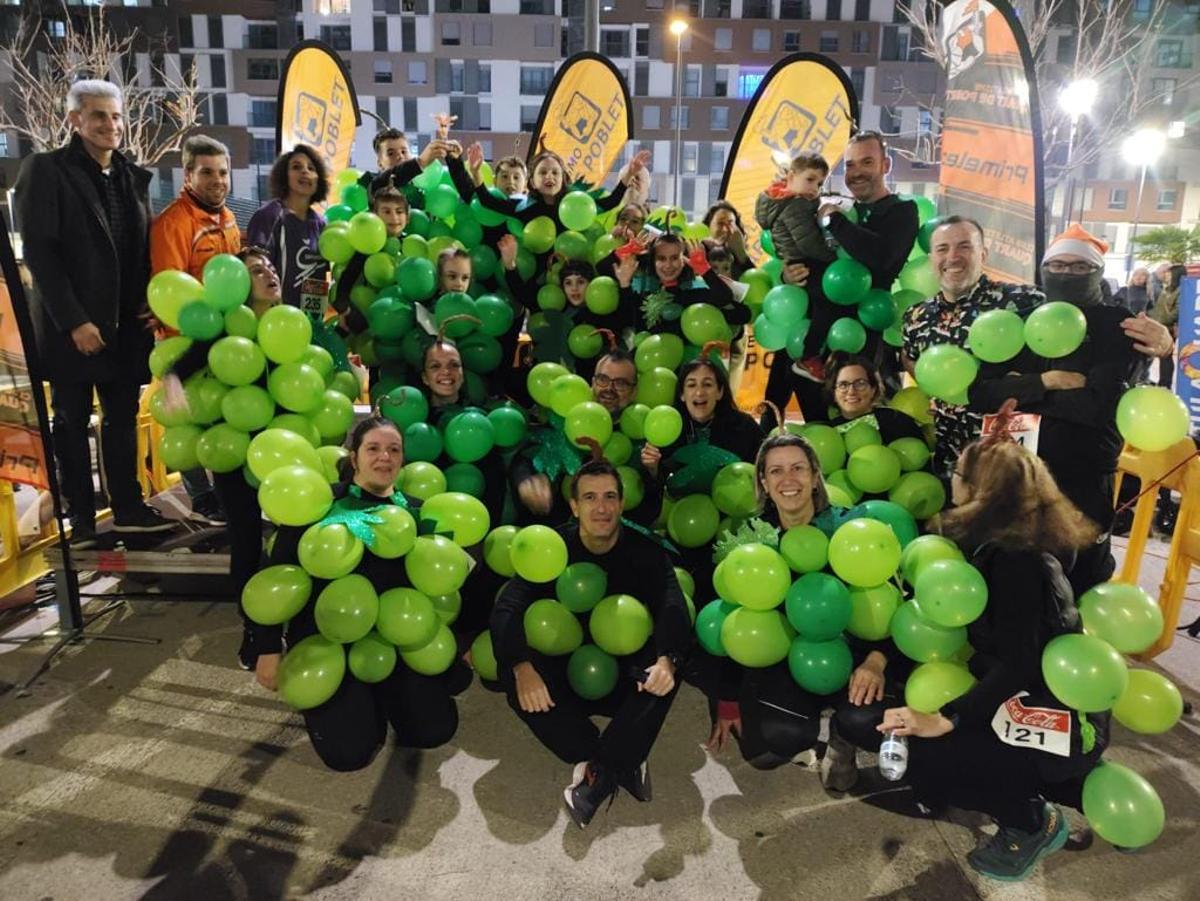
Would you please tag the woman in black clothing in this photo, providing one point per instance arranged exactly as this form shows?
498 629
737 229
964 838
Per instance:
726 230
1015 526
349 728
855 386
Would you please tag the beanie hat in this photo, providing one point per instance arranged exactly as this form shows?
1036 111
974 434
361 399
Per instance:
1077 241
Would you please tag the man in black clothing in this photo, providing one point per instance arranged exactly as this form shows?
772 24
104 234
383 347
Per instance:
84 216
537 685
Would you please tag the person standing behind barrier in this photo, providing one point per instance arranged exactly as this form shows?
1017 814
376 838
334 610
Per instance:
84 216
194 228
288 227
1135 296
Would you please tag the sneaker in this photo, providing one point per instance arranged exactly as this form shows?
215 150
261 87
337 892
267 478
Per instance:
590 787
811 368
207 509
247 654
141 519
83 536
637 782
1011 854
839 768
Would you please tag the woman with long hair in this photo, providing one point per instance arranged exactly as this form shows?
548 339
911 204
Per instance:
1016 527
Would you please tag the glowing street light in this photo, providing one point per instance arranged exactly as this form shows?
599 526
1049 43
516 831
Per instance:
678 27
1142 148
1076 99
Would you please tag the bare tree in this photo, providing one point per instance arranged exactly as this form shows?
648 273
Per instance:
1115 46
161 104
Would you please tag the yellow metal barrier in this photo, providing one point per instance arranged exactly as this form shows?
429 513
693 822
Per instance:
19 566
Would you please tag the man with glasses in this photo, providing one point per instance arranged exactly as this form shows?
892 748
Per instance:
613 387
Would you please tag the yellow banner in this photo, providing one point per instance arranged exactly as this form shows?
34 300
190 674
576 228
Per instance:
585 117
805 103
317 104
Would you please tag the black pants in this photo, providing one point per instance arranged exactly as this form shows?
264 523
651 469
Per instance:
244 525
348 729
566 730
972 769
782 383
72 402
1166 371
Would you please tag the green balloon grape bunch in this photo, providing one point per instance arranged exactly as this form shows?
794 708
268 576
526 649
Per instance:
232 420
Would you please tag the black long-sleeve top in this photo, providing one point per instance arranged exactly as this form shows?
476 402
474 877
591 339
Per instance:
881 239
685 293
635 566
534 206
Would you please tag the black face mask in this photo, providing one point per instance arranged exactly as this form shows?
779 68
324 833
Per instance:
1081 290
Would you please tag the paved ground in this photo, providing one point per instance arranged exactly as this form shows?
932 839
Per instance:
136 771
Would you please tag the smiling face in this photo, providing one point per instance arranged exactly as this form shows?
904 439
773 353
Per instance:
597 506
392 153
700 394
613 384
788 479
668 261
394 214
100 123
806 182
208 179
443 373
548 178
957 254
511 179
302 176
854 392
721 225
378 460
455 274
575 287
866 166
266 290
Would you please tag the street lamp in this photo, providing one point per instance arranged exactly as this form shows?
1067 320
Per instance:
678 27
1076 100
1142 148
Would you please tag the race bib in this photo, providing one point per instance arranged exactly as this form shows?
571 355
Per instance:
314 299
1036 728
1023 427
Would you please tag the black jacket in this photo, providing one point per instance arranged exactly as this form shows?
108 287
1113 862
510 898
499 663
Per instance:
76 268
881 239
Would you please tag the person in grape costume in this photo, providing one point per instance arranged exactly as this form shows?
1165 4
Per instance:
639 578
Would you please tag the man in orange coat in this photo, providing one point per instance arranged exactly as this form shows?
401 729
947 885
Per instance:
187 234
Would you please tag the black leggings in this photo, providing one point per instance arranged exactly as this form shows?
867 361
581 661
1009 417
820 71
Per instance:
244 528
348 729
566 730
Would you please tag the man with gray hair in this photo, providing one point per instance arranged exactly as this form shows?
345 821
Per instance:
194 228
84 217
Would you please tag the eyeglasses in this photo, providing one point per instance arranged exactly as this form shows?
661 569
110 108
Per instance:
1058 267
452 366
857 385
603 381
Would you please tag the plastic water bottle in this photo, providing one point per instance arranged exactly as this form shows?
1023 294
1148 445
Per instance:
893 757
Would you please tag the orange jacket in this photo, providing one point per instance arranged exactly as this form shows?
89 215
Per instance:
184 236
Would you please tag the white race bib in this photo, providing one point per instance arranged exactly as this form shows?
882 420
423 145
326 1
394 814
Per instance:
1036 728
1023 427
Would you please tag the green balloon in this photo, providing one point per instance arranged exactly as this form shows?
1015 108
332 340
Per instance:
770 335
913 453
922 640
632 487
480 354
167 352
918 275
463 518
757 577
422 480
435 657
276 448
236 361
165 417
311 672
946 371
169 291
296 387
577 211
873 468
733 490
395 533
248 408
863 552
497 550
701 323
407 618
204 396
1122 807
275 594
1055 329
924 550
1084 672
422 443
826 441
508 425
495 314
200 320
331 456
297 425
588 420
693 521
663 426
581 586
329 551
872 610
455 303
602 295
591 672
996 336
820 667
709 622
805 548
541 379
469 437
441 201
372 658
539 234
177 447
404 406
846 281
933 685
295 495
618 449
552 629
436 565
913 401
333 416
346 609
950 593
818 606
222 448
633 421
756 638
785 305
877 310
620 624
483 657
390 318
465 478
861 434
899 520
656 388
1126 616
417 278
1150 704
659 350
1152 418
920 493
847 335
539 554
567 391
284 334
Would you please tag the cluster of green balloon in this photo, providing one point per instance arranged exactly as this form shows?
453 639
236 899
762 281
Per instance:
197 308
783 322
304 398
696 519
856 462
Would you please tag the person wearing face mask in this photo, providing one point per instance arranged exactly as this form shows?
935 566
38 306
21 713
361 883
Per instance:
1075 396
349 729
537 686
772 717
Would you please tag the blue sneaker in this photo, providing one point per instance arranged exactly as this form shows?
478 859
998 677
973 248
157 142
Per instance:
1012 854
